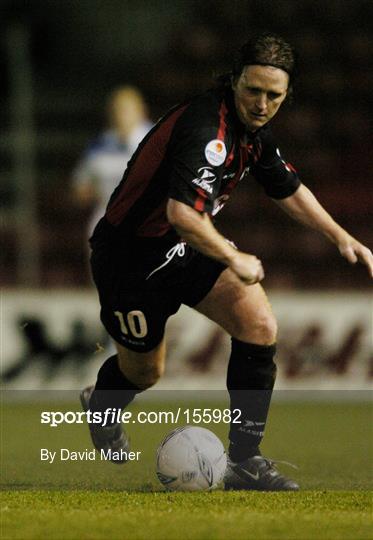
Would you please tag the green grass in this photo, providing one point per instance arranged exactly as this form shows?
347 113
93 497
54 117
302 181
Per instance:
216 515
330 442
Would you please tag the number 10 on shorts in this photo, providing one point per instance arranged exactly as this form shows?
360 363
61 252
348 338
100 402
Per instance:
133 323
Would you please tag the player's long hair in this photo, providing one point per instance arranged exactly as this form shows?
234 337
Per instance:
265 50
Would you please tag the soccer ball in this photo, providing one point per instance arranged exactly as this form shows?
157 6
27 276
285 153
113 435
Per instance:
191 459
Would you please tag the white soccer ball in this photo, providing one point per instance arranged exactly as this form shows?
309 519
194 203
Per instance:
191 459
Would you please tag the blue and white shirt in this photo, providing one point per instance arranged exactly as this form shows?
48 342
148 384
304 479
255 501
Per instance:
103 164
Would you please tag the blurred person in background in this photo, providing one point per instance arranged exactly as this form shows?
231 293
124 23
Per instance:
105 159
157 248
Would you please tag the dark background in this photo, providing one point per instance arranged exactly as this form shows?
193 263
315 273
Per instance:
78 50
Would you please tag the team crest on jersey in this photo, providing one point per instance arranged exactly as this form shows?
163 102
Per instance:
206 177
215 152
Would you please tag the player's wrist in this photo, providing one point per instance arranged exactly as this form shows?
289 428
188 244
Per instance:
334 232
231 257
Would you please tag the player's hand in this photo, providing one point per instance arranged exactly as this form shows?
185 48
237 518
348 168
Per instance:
247 267
355 252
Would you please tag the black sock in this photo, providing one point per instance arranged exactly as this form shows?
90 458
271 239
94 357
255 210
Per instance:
240 452
250 380
112 390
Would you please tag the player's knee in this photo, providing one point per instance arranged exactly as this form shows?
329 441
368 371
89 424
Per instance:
147 376
262 331
266 329
141 371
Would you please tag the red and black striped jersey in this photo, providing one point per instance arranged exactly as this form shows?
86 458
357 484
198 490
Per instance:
196 154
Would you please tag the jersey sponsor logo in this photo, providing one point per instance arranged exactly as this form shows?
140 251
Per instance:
215 152
206 177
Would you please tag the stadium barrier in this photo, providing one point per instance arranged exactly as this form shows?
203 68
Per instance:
54 340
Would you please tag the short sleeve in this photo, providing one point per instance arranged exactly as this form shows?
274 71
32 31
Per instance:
278 177
196 158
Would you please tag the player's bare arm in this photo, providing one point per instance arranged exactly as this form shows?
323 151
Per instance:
305 208
199 232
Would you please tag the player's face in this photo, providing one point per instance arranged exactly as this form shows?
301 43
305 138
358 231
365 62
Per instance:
258 94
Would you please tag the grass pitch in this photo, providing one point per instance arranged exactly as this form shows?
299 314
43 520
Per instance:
159 516
330 443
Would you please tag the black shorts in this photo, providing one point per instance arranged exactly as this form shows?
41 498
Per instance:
145 281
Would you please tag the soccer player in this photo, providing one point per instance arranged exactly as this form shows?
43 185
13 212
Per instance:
157 248
104 161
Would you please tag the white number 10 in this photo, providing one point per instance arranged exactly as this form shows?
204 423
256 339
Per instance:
136 323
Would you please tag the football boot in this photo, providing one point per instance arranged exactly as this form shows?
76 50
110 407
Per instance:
257 473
